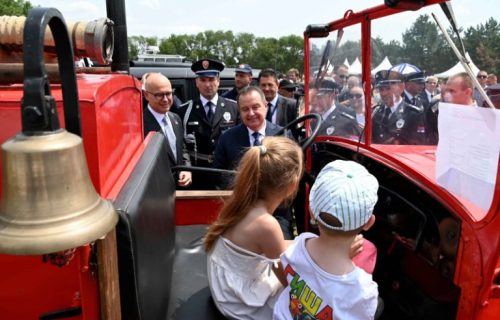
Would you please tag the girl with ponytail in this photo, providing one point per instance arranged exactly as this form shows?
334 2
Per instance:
245 242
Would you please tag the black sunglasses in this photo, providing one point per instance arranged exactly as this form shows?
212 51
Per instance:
355 95
482 77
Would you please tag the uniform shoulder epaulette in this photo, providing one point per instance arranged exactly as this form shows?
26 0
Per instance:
415 108
229 99
186 104
345 114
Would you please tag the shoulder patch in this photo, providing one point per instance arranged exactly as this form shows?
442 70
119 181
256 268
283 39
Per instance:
345 114
415 108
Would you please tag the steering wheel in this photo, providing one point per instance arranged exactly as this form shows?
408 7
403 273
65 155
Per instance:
304 144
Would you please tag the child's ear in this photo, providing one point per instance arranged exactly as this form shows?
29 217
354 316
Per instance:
369 223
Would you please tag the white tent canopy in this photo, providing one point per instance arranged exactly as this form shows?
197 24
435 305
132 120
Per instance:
355 67
458 68
384 65
346 62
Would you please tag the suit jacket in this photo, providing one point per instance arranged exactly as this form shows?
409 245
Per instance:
150 124
424 98
234 142
205 133
232 145
286 110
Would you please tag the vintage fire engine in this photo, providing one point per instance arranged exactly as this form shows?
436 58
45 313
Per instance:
91 226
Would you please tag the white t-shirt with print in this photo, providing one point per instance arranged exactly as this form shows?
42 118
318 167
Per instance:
313 292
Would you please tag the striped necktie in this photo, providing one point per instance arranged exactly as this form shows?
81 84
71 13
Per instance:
256 140
169 133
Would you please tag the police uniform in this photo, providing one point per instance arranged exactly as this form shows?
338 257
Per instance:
201 133
339 122
233 93
405 125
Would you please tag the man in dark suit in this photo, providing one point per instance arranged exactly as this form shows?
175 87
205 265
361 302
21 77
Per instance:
234 142
281 110
206 118
157 117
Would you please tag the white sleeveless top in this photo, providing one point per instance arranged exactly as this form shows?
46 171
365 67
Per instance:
242 282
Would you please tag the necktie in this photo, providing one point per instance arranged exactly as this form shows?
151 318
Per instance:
256 141
387 114
414 101
270 112
169 133
210 112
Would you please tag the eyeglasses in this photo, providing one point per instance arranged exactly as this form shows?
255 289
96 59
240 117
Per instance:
342 76
355 95
160 95
431 82
482 76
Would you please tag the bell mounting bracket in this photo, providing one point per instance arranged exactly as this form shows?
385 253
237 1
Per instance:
38 106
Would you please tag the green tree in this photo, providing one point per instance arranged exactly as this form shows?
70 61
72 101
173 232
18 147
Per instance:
14 7
291 53
483 44
424 47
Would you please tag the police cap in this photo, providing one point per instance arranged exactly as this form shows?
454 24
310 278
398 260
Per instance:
287 84
386 77
207 68
244 68
328 86
416 77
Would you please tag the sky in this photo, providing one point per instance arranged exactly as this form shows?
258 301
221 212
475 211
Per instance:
263 18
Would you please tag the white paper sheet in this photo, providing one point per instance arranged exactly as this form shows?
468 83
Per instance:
467 153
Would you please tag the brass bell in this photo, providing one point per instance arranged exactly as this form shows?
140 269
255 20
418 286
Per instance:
49 203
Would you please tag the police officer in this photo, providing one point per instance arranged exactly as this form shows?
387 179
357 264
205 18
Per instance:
414 86
206 118
242 78
394 120
337 119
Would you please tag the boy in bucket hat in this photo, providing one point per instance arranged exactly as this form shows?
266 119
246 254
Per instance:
323 281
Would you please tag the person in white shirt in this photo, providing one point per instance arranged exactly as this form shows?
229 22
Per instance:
323 281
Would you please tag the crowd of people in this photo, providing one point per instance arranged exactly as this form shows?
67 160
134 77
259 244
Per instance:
254 265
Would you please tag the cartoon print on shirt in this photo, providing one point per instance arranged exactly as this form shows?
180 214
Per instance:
304 303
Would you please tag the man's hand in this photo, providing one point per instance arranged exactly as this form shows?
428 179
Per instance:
184 179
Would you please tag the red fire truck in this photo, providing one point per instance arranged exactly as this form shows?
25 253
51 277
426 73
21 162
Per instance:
91 226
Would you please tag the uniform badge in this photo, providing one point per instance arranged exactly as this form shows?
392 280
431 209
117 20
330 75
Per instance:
205 64
330 130
226 116
400 123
